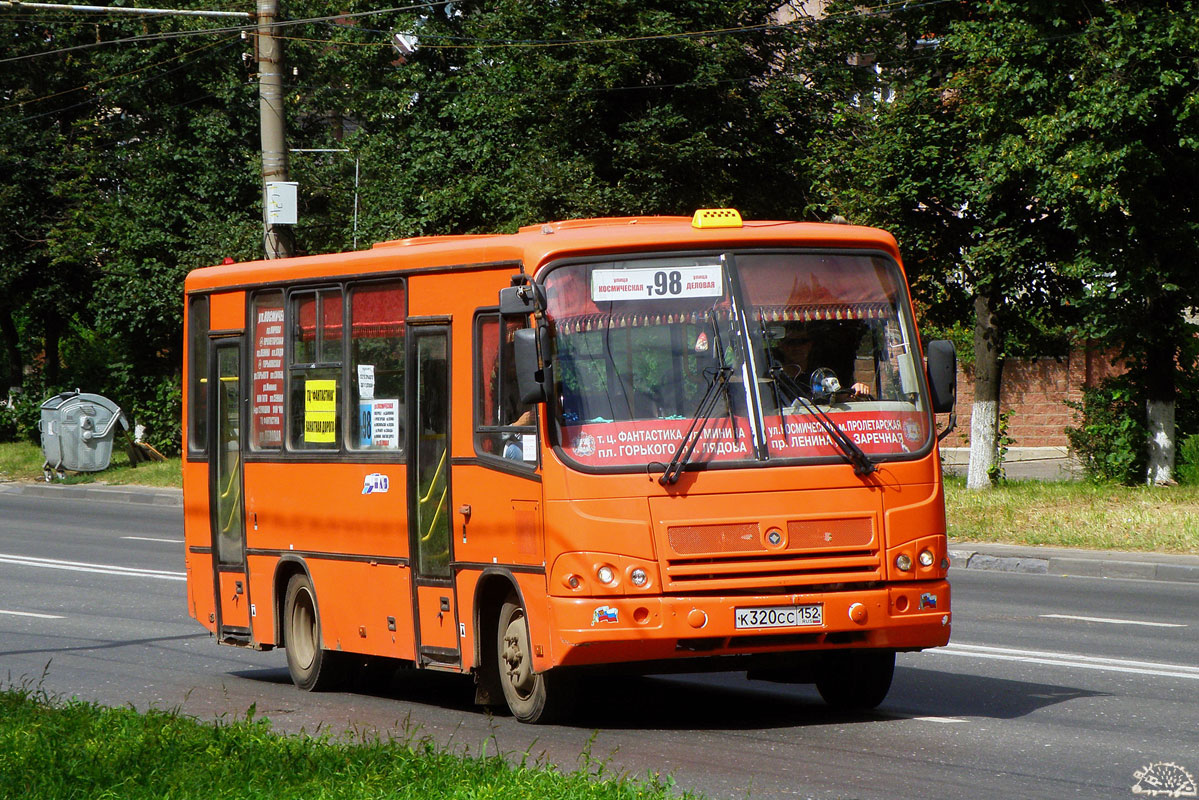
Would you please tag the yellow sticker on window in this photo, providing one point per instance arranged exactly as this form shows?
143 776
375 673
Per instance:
320 411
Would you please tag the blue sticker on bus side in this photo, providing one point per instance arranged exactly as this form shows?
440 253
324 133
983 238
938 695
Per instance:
375 482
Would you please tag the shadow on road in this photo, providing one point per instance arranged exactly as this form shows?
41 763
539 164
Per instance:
927 692
723 701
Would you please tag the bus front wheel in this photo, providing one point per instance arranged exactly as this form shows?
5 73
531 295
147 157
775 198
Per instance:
312 667
532 697
856 680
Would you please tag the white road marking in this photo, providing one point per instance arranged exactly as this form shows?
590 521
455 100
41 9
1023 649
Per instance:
944 720
152 539
31 614
1069 660
103 569
1111 621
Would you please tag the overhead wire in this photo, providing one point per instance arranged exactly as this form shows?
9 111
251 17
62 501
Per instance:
471 42
238 29
333 20
101 96
110 78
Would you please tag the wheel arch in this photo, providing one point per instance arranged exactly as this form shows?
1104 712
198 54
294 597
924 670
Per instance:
287 567
494 586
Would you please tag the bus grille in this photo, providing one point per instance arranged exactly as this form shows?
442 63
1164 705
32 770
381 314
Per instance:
737 556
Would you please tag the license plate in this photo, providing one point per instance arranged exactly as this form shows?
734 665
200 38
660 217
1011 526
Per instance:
779 616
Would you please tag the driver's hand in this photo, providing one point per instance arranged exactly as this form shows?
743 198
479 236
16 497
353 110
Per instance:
860 390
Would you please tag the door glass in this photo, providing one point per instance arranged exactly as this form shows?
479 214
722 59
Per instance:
228 500
432 457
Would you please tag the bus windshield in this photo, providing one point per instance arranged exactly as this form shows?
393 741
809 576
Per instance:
779 343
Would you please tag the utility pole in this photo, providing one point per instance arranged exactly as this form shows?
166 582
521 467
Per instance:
277 238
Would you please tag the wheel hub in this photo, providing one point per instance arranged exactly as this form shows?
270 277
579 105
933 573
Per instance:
516 660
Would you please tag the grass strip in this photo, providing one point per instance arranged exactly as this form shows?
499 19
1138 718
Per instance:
74 749
1080 514
22 461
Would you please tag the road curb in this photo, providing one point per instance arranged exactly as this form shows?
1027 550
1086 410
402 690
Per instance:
1083 563
144 495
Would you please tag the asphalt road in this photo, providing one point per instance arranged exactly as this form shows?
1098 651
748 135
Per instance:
1052 687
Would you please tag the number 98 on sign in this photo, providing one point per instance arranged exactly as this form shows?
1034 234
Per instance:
656 284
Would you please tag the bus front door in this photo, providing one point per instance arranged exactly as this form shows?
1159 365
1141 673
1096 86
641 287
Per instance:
225 488
429 501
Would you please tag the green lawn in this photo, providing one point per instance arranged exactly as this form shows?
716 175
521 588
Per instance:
1076 514
62 750
20 461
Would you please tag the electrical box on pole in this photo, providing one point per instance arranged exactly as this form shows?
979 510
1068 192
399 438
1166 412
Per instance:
281 202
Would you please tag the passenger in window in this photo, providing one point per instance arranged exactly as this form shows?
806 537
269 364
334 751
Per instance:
513 447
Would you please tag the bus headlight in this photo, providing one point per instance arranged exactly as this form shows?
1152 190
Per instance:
606 576
926 558
638 577
904 562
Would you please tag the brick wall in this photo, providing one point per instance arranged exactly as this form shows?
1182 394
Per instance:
1036 392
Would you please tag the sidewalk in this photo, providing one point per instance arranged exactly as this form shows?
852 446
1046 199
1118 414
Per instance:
1021 463
1082 563
145 495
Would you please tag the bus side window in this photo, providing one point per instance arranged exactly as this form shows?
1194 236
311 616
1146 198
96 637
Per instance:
504 427
197 407
315 330
377 313
266 360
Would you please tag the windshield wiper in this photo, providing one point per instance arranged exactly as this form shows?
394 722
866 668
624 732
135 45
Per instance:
862 463
717 384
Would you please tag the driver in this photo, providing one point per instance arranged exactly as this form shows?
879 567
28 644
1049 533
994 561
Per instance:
794 353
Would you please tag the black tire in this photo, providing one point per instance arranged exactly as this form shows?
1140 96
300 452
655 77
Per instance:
856 680
532 697
312 667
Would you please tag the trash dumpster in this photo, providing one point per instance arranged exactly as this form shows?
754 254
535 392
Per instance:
77 432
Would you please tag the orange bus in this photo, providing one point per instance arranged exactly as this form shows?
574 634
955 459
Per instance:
651 444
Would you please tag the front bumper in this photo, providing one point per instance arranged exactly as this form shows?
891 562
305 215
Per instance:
598 630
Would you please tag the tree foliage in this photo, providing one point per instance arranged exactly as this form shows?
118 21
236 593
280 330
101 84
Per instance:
1039 158
1038 155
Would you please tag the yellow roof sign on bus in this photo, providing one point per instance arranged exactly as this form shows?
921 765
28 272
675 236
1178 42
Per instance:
716 218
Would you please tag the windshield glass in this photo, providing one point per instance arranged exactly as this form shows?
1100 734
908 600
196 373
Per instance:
638 343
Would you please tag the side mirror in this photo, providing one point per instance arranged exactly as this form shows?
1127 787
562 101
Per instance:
531 378
942 375
521 300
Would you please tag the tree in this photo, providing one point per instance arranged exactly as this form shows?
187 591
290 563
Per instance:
517 112
947 161
128 161
36 300
1124 172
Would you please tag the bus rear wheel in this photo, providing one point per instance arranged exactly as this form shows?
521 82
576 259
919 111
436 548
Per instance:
856 680
532 697
312 667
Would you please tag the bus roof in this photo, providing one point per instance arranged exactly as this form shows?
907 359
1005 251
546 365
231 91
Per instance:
536 245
